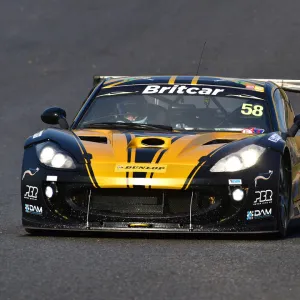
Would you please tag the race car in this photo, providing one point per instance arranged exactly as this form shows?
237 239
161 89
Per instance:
189 154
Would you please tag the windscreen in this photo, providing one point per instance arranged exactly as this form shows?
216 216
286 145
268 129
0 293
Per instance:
217 111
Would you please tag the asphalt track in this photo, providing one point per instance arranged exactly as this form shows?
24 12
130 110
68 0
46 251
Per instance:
49 51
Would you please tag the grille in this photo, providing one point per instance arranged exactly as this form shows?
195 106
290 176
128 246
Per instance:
137 202
209 204
146 205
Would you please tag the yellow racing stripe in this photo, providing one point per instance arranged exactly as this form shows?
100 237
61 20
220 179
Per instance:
172 80
195 79
87 168
214 152
194 175
153 162
114 84
86 162
132 159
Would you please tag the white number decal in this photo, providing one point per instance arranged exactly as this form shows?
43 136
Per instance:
250 109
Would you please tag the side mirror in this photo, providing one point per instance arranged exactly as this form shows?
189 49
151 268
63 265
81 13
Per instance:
295 127
55 115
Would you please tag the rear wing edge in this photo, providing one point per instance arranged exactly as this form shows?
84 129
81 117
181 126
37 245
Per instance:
289 85
99 78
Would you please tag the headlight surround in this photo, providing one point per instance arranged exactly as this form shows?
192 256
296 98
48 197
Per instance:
240 160
52 156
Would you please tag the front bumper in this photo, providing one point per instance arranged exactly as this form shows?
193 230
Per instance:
200 209
206 206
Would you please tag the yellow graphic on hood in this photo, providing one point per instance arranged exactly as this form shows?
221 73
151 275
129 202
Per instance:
123 161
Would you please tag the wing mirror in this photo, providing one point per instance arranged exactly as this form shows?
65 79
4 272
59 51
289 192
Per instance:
295 127
55 115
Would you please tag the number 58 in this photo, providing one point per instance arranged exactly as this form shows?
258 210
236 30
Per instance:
250 109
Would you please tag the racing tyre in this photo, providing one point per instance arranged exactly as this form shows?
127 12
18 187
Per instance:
284 196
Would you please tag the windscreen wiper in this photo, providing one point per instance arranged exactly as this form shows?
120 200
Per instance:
136 126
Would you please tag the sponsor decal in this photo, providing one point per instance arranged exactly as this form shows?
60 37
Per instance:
32 192
263 176
263 197
181 89
274 138
33 209
259 214
30 172
51 178
250 86
259 88
38 134
135 167
234 181
253 130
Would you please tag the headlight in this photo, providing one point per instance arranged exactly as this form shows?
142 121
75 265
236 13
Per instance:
240 160
52 156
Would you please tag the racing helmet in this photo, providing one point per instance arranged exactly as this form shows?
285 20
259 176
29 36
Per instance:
134 109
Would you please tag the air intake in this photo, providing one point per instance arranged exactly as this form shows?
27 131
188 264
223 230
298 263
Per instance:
94 139
153 142
219 141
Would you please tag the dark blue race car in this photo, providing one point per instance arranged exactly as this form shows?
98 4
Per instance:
186 154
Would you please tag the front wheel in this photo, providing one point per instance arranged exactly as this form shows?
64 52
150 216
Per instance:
283 200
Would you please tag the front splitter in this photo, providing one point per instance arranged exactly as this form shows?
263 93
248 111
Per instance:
262 227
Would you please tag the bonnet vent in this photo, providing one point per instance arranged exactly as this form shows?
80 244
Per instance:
219 141
95 139
153 142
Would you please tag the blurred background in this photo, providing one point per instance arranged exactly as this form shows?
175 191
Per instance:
49 51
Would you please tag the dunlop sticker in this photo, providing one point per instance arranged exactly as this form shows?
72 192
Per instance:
135 167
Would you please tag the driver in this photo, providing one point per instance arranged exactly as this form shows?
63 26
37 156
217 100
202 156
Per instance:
134 110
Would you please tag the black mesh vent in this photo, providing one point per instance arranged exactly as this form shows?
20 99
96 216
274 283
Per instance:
153 142
219 141
95 139
141 202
